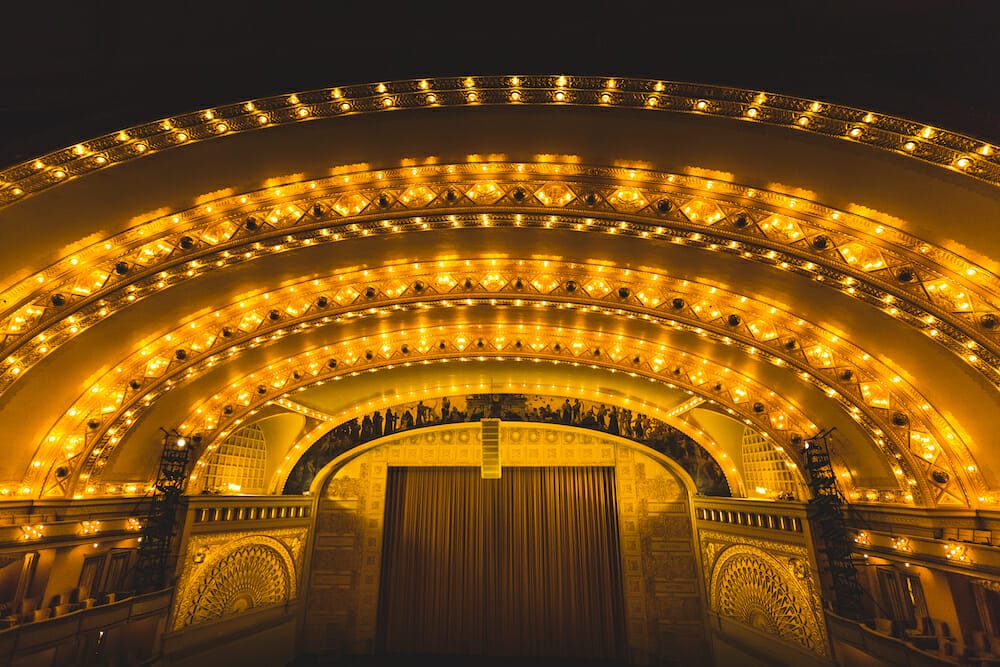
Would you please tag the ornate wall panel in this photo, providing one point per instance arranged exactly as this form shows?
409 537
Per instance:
662 591
663 608
228 573
343 587
767 585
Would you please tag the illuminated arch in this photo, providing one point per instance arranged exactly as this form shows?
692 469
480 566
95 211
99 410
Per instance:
714 239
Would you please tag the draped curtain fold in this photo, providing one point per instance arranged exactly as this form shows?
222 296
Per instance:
524 565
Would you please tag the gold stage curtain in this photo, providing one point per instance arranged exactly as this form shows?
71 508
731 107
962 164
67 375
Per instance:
525 565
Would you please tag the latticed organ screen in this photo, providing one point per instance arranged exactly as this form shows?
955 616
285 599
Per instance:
239 464
765 468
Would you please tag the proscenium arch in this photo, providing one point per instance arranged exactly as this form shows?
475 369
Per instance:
667 432
324 475
539 445
883 250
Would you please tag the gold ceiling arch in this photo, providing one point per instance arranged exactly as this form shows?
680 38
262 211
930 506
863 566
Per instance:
859 254
925 287
947 149
864 385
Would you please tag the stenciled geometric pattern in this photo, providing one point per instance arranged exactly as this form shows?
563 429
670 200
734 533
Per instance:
750 586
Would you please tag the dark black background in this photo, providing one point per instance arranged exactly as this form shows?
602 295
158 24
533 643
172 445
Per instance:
70 70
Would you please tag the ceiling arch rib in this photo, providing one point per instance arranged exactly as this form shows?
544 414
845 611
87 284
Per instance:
737 394
354 295
911 281
788 228
856 253
928 144
294 307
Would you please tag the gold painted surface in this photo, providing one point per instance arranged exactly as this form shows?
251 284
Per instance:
936 146
765 584
948 309
662 591
228 573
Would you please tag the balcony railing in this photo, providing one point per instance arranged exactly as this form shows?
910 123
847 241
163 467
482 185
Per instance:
30 637
885 647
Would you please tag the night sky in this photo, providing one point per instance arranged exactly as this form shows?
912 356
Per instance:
70 70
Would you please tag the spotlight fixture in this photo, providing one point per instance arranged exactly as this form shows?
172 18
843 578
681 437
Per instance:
174 438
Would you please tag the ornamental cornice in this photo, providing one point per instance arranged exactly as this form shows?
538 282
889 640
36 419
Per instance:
898 417
924 286
960 153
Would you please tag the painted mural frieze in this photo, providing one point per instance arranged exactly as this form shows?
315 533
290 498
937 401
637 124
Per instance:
707 474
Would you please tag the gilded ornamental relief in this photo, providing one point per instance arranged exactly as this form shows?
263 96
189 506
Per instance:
232 572
765 584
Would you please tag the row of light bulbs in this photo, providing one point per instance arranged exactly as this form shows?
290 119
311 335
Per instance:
927 143
969 348
953 551
97 451
213 407
179 339
313 370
